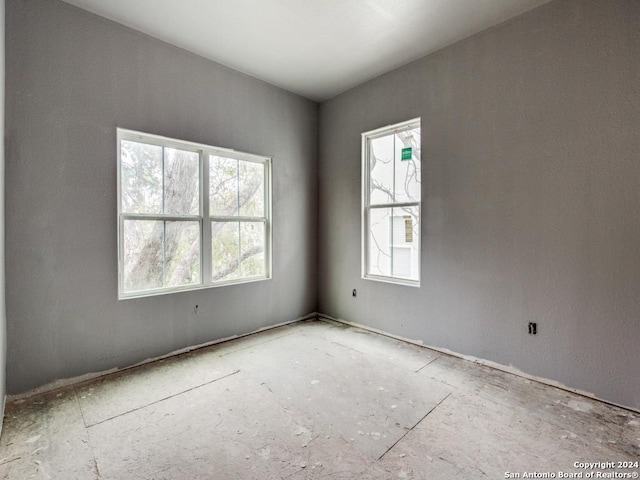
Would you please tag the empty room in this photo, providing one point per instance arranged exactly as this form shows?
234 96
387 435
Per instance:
303 239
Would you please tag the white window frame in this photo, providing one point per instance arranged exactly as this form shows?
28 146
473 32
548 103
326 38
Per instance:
204 219
367 206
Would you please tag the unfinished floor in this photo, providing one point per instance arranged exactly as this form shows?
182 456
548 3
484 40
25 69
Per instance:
312 400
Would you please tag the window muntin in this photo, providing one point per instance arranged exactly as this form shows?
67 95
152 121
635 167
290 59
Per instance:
172 236
391 203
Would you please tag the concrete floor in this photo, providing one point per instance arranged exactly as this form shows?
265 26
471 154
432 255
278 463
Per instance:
312 400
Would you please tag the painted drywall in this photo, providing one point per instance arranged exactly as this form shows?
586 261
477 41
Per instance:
530 149
72 78
3 320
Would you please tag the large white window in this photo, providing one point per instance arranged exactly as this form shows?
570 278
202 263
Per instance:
190 216
391 199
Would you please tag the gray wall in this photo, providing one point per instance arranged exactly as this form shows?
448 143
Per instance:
3 321
72 78
531 181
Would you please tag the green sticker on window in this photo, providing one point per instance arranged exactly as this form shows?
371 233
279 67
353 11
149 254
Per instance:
406 153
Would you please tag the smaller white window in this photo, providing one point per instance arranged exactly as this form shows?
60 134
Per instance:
391 203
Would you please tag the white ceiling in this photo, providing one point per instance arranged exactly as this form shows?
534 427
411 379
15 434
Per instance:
316 48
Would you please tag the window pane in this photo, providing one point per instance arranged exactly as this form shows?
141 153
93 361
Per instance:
379 255
251 188
143 254
238 250
225 250
223 186
141 177
181 182
160 254
405 228
182 253
394 162
381 154
252 249
393 242
407 166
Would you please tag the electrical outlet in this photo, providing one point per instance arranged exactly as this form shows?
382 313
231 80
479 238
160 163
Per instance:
533 328
354 293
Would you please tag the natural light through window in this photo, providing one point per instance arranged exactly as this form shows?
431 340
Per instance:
391 200
172 236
